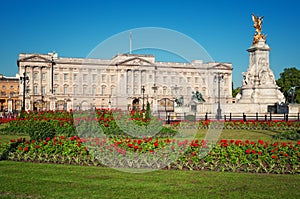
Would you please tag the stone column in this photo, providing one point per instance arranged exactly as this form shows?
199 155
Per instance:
9 105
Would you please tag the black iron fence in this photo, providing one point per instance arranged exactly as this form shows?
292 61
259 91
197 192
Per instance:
171 117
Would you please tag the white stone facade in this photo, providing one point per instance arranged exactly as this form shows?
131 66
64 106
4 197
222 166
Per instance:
58 83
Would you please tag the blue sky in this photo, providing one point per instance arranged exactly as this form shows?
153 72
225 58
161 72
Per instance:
222 27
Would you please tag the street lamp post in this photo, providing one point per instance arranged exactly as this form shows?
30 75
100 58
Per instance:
109 102
143 92
24 79
218 78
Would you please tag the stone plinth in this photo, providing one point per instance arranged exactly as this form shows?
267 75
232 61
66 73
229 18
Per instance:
259 86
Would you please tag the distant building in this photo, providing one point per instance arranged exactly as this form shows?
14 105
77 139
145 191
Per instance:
9 94
58 83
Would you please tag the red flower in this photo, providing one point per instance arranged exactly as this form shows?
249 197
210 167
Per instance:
283 144
136 147
48 139
298 142
261 142
78 144
248 151
26 149
274 156
253 151
20 148
155 144
12 141
226 145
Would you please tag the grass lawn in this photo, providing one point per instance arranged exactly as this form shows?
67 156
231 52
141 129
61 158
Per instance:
34 180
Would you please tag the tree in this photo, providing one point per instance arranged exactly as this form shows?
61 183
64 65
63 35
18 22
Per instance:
288 78
148 111
235 91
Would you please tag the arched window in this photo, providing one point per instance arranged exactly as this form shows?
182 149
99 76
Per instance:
103 90
66 89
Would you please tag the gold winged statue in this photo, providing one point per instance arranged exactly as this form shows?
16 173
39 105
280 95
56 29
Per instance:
258 27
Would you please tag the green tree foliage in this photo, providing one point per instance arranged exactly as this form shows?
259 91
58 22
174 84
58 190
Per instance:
235 91
148 111
288 78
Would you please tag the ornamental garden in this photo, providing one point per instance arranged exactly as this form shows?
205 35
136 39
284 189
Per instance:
137 141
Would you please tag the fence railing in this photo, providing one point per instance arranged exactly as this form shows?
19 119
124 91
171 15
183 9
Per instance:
177 117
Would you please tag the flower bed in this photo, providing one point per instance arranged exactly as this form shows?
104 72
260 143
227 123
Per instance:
226 155
66 137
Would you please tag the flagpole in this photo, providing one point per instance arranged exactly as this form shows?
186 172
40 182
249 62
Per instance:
130 43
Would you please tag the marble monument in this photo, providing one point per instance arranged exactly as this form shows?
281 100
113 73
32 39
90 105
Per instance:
259 85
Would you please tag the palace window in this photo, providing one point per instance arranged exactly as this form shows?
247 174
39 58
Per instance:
66 89
75 77
84 77
75 90
43 90
180 80
35 89
55 77
84 90
103 90
103 77
35 76
66 76
134 91
173 79
94 90
128 90
112 78
94 78
112 90
43 76
165 79
189 79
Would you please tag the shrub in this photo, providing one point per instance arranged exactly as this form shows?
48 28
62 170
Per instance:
40 130
290 135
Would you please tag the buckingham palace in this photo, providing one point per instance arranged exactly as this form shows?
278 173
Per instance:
126 81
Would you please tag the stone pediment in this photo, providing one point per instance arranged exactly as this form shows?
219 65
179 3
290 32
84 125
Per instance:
34 58
135 61
222 66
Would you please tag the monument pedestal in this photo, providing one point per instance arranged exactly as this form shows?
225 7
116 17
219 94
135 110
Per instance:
259 86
